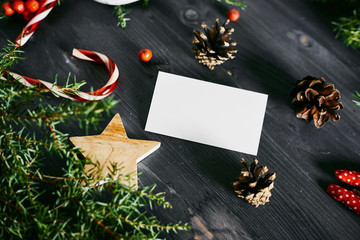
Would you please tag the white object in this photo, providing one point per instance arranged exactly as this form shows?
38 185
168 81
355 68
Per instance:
207 113
116 2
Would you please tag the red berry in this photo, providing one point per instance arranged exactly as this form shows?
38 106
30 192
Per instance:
350 177
18 6
6 9
145 55
350 199
32 5
27 15
233 14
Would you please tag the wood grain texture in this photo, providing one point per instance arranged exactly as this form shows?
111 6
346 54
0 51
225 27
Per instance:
111 147
271 57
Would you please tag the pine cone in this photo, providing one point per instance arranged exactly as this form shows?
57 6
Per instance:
254 184
214 46
314 99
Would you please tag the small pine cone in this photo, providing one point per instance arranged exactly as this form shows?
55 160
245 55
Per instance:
315 99
214 46
254 183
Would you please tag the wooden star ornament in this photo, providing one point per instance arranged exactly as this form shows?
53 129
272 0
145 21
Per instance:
113 146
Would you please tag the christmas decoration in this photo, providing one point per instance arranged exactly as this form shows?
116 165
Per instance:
349 177
350 199
32 25
233 14
26 8
113 146
67 204
145 55
254 183
74 93
213 47
6 9
18 6
32 5
314 99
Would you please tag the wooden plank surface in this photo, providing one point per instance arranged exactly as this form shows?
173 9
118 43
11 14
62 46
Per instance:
271 57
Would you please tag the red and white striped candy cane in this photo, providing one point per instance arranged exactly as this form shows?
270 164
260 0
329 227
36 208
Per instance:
70 93
30 28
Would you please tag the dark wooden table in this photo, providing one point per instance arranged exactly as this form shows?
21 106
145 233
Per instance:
271 57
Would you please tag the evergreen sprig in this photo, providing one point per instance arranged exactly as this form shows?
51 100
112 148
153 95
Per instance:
238 3
120 13
9 56
356 95
348 28
38 204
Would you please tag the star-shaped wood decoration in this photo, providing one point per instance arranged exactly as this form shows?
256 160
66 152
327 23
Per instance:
113 146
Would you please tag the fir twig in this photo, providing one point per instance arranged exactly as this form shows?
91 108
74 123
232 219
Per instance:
120 13
348 28
237 3
9 56
356 95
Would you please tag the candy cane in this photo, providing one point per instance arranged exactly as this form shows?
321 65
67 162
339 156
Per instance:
30 28
71 93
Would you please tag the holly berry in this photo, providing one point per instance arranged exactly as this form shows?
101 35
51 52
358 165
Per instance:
27 15
32 5
233 14
350 177
145 55
350 199
6 9
18 6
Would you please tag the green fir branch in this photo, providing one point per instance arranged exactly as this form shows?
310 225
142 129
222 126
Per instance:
120 13
237 3
9 56
356 95
348 29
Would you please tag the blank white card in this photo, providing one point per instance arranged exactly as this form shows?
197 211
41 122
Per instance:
207 113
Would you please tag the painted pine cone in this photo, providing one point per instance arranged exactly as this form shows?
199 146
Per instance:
213 46
350 199
254 183
317 100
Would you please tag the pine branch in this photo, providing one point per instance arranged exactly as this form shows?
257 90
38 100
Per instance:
120 13
237 3
9 56
348 29
356 95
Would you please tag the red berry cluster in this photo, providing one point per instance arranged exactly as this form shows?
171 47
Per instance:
27 8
